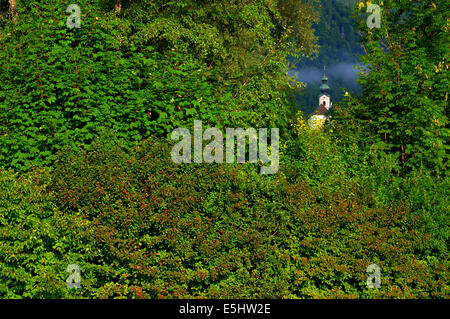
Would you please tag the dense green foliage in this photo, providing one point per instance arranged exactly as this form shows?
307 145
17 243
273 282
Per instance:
86 175
144 71
141 226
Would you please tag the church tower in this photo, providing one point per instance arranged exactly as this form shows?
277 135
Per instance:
319 115
324 97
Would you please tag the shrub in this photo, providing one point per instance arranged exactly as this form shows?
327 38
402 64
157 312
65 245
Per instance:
226 231
140 226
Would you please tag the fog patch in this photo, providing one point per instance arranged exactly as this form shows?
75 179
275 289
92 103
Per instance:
344 71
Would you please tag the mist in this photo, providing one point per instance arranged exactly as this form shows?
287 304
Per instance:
344 71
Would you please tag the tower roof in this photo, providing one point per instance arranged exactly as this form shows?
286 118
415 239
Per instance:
324 88
321 110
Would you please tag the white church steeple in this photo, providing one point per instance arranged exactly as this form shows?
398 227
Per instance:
324 97
319 116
